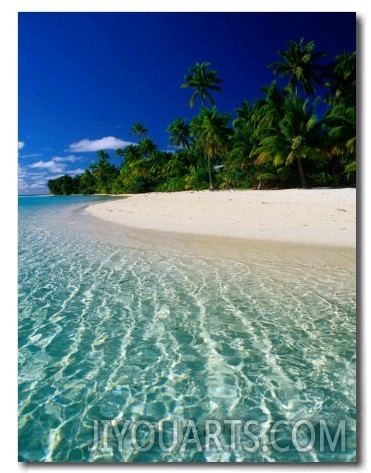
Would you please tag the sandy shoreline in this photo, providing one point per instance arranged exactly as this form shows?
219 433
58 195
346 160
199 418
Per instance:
311 217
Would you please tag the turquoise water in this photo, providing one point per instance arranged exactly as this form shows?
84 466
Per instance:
111 332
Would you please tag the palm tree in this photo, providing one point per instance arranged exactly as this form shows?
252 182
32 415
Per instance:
210 128
244 115
239 155
342 121
146 147
103 171
121 153
299 63
269 110
342 79
244 127
179 133
342 133
202 79
297 136
138 129
342 116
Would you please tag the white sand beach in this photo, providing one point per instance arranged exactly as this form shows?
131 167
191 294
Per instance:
311 216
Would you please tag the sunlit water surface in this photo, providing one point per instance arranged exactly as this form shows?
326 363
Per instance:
117 332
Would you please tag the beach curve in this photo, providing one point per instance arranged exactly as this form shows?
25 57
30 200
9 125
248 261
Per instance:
303 216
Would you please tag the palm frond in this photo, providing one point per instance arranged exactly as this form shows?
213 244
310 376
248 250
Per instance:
351 167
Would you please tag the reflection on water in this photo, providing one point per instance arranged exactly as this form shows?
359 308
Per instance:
126 333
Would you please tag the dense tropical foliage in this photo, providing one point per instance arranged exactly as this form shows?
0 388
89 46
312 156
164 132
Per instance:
275 141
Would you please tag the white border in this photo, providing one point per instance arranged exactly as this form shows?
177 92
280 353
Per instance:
8 210
190 5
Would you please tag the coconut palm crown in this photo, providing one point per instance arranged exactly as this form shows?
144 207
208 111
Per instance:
299 64
202 80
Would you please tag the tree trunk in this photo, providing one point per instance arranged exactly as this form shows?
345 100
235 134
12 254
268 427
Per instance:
302 175
210 177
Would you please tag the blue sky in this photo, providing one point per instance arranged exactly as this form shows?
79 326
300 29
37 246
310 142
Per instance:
85 78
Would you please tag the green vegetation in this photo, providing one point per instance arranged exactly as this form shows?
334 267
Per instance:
202 79
276 141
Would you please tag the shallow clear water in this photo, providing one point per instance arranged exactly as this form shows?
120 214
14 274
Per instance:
117 332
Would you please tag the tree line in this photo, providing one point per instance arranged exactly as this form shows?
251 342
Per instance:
273 142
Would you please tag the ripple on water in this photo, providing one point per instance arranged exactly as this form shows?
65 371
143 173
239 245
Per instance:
115 333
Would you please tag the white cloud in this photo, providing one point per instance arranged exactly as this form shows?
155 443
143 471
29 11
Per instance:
73 172
39 186
36 175
50 166
66 159
31 183
20 144
109 142
21 170
33 178
31 155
